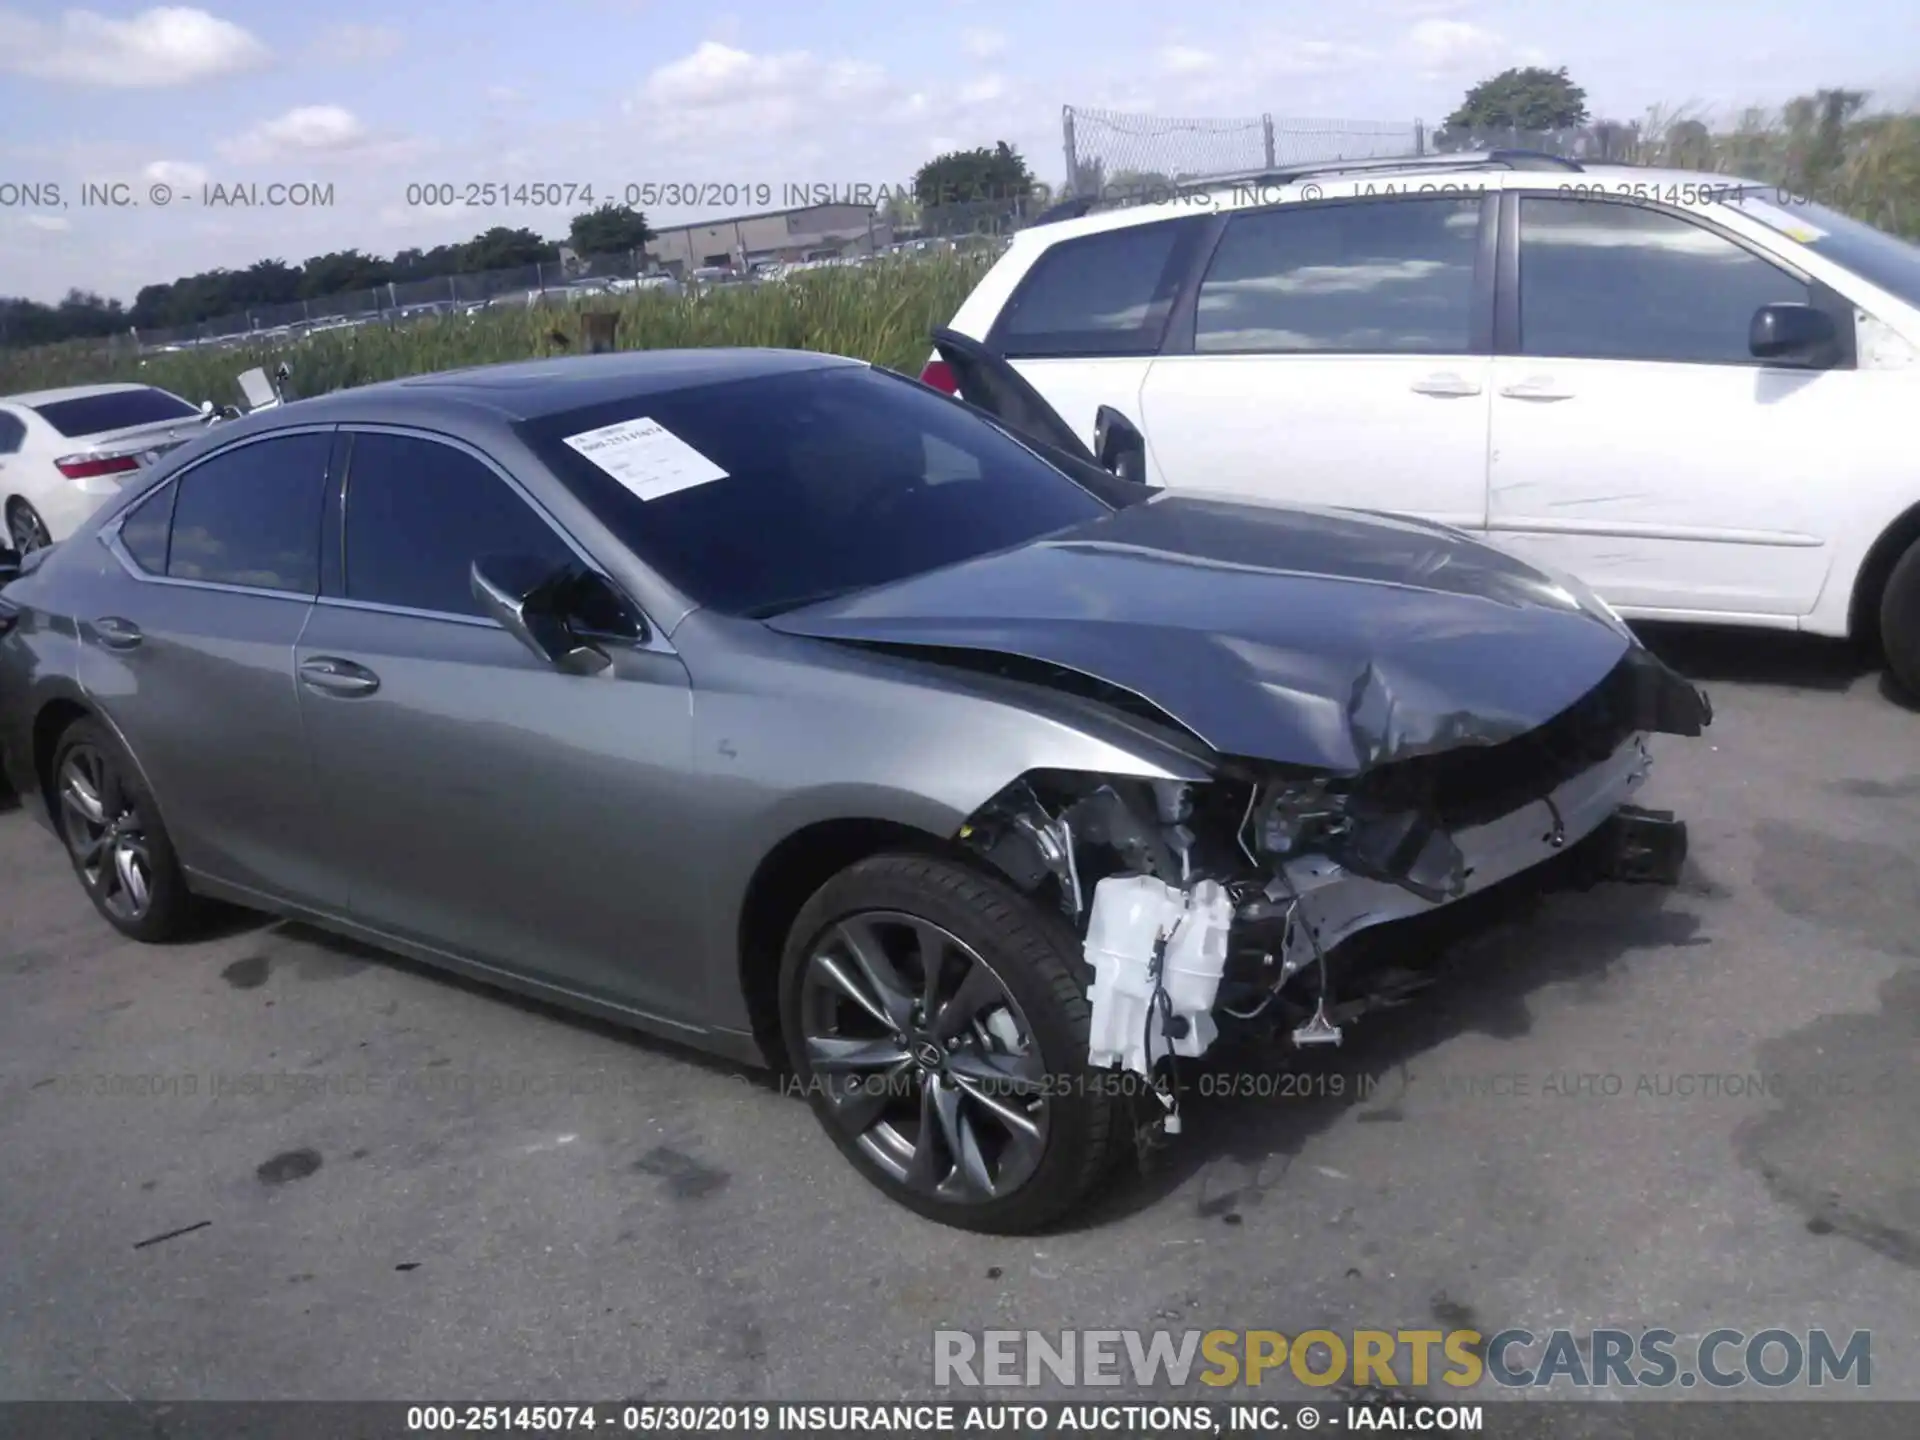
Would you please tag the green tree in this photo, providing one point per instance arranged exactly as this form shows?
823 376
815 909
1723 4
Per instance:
502 248
1524 98
900 212
609 228
968 189
418 264
336 273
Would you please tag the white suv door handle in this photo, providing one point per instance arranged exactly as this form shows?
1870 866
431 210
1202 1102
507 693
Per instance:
1540 387
1444 383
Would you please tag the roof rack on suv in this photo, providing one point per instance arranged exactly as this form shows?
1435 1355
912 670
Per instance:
1076 206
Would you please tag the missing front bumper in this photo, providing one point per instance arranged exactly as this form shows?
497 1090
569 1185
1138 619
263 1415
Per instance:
1640 846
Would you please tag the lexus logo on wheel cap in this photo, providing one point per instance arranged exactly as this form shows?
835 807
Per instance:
929 1054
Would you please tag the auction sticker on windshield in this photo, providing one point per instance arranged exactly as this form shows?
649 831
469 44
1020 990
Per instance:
646 457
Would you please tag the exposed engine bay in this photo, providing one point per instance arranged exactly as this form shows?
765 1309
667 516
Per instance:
1207 905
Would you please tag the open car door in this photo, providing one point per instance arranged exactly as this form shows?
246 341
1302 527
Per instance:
1115 470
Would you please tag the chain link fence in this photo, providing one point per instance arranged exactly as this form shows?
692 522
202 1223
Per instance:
1111 150
1113 153
548 282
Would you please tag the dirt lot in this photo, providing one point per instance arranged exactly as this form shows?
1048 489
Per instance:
381 1183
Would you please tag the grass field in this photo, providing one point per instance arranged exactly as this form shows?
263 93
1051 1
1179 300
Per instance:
880 312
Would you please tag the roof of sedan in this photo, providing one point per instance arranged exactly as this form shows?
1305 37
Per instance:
70 392
530 389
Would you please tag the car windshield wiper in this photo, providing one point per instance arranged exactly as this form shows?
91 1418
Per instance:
795 602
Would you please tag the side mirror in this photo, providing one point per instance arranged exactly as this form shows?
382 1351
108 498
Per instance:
1790 330
1119 446
208 412
529 599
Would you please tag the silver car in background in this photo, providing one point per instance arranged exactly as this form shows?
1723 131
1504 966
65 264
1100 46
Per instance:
788 708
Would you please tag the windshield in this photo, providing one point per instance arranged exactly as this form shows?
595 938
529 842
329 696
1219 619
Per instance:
835 479
1875 256
115 410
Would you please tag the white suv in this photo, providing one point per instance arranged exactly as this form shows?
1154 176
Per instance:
1698 394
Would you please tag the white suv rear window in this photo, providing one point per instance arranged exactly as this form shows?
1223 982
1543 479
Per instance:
1104 294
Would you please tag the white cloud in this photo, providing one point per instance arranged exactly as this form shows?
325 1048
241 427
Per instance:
1451 47
1285 55
717 75
56 223
1188 60
773 119
180 174
169 45
502 95
1421 9
983 89
315 133
357 44
982 44
305 130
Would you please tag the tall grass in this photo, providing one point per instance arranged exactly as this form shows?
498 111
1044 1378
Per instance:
1825 146
880 312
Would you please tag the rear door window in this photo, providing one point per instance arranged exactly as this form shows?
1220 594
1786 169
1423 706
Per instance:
251 515
1366 277
1105 294
115 410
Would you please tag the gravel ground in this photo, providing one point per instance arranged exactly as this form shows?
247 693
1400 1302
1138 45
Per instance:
350 1177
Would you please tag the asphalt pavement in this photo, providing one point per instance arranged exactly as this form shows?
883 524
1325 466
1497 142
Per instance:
272 1165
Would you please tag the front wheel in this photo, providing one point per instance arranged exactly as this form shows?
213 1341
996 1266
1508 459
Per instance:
939 1025
1900 622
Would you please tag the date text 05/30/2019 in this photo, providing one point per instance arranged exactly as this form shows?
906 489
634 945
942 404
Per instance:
646 194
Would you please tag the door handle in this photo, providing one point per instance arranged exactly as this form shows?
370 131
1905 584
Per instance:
1445 383
116 633
1541 387
333 676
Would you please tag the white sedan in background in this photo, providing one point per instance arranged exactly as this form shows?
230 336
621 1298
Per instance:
64 452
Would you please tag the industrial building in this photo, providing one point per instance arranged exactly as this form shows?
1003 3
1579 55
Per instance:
812 232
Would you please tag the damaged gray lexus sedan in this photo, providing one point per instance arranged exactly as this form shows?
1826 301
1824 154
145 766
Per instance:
788 708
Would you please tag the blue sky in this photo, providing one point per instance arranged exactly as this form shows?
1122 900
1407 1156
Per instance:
606 92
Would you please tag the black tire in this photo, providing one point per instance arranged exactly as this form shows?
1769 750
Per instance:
114 836
26 531
1900 622
1028 1057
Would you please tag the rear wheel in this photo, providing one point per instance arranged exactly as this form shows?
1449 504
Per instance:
114 837
1900 622
939 1025
26 529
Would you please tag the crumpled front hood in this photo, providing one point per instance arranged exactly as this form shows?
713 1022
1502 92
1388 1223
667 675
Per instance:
1331 639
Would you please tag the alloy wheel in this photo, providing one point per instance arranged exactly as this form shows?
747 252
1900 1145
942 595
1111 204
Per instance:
924 1057
27 530
105 834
